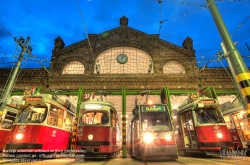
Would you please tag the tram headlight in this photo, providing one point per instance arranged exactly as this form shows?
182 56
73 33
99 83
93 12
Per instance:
93 106
168 137
1 113
150 102
148 138
219 135
19 136
90 137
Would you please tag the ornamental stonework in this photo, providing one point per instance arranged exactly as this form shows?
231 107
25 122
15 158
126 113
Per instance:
86 52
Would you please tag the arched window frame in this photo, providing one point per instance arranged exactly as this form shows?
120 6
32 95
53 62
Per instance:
173 67
74 67
139 61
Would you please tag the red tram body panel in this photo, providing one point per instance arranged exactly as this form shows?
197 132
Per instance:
6 120
98 130
44 124
39 137
200 127
151 135
204 137
4 134
237 123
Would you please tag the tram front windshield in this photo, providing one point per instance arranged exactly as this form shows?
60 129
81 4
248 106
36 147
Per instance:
209 116
32 114
156 121
94 118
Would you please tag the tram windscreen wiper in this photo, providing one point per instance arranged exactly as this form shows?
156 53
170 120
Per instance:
163 126
207 114
30 108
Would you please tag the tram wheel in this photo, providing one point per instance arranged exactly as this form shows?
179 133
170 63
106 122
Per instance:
187 153
110 156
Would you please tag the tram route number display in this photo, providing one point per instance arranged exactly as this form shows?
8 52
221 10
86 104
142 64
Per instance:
14 156
155 108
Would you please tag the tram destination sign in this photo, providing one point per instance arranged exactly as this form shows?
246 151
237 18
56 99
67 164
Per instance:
33 99
154 108
207 101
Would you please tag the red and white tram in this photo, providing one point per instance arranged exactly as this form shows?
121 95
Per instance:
43 124
151 135
200 127
7 118
98 129
237 123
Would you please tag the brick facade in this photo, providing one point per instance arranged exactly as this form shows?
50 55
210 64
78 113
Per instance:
161 51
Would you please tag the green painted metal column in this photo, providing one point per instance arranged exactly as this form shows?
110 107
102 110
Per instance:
214 93
10 83
167 96
234 57
124 150
74 132
80 99
235 80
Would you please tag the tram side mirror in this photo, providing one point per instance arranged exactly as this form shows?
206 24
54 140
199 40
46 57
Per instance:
21 102
174 126
135 111
200 105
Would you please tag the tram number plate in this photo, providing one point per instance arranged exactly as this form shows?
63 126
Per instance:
160 149
89 149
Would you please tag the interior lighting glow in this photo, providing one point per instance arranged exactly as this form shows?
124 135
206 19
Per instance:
90 137
93 106
148 138
19 136
168 137
150 102
242 112
219 135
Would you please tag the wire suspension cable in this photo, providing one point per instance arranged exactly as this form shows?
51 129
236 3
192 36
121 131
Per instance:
240 26
6 84
231 36
161 21
230 78
182 3
7 31
85 29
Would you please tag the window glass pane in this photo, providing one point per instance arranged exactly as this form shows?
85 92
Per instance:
74 67
138 61
8 120
173 67
68 121
32 114
55 116
94 118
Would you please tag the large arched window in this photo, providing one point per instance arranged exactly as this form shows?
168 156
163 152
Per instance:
74 67
123 60
173 67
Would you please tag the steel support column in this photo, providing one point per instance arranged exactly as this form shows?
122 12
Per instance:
167 96
234 57
235 81
124 151
75 123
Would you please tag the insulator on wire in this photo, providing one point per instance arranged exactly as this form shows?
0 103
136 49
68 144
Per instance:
21 40
29 48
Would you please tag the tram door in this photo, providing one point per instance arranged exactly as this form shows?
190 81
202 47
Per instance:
189 134
233 132
241 124
132 145
136 138
178 132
